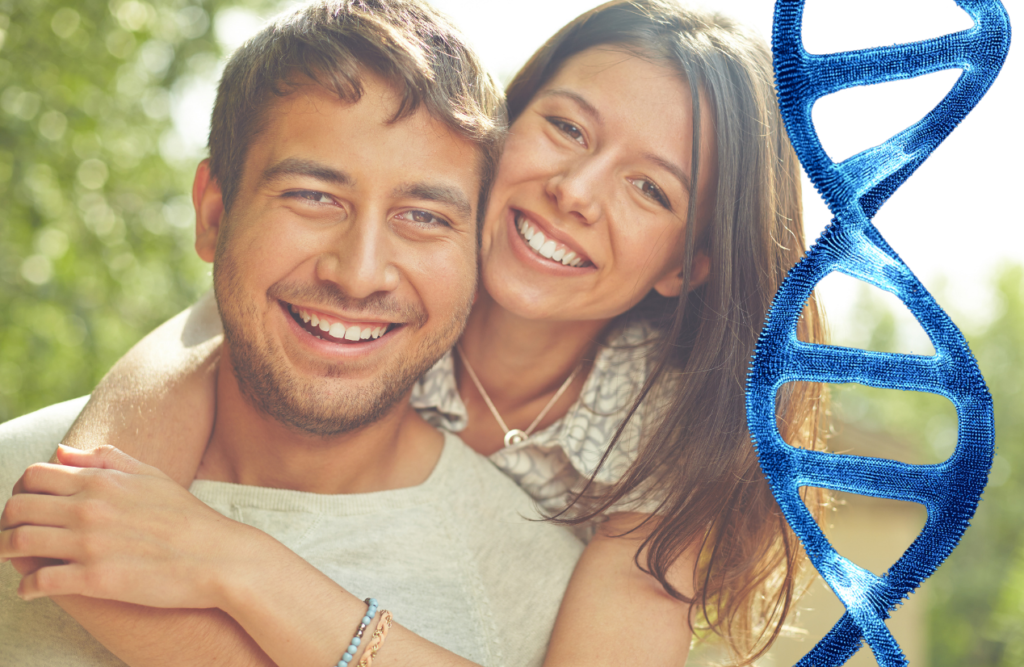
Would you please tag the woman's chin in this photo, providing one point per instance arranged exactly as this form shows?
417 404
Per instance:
522 299
518 304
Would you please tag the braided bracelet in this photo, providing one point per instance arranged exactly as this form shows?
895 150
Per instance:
353 646
377 639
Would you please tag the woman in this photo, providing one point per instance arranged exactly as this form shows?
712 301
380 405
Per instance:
644 212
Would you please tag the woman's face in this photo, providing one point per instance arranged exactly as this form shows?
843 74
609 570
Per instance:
588 210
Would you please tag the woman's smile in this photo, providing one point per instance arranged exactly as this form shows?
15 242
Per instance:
552 249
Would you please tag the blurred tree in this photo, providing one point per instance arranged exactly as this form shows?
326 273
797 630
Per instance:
976 598
95 213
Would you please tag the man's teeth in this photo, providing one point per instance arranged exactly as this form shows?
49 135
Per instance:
546 247
338 330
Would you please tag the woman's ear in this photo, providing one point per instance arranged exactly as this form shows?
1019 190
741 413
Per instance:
672 284
209 204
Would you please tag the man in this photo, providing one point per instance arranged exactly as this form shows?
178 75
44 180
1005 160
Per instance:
349 148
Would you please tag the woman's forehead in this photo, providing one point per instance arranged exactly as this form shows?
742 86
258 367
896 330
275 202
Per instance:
621 68
636 101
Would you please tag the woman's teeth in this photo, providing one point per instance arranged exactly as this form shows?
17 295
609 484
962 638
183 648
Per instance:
545 247
334 329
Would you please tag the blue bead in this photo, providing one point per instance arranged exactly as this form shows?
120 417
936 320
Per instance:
373 602
350 651
356 641
366 620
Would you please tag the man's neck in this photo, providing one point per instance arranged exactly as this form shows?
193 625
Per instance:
249 447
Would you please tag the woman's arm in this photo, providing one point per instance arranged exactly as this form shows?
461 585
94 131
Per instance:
121 530
157 403
130 533
615 614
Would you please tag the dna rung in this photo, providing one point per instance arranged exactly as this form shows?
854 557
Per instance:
854 189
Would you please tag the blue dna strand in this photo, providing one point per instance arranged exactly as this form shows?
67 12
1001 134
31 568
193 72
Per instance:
854 190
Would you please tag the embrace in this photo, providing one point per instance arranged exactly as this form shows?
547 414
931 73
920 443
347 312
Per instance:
469 389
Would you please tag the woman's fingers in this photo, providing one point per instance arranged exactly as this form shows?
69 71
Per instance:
29 564
36 541
38 510
61 579
48 478
104 456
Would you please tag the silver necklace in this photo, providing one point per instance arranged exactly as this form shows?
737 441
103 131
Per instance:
513 436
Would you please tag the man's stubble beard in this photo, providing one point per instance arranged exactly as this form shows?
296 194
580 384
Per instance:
269 383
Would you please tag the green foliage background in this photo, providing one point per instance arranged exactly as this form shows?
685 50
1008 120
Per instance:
95 215
96 249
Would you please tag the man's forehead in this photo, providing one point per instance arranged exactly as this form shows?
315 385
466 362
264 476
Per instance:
313 132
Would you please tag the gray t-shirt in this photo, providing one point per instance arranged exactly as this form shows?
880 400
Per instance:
455 559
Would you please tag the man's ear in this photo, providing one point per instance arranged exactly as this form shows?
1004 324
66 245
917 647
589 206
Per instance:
209 204
672 284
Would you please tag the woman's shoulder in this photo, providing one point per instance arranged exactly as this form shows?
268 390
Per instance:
435 396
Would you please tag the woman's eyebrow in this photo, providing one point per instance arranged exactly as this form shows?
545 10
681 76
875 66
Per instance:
672 168
299 167
581 101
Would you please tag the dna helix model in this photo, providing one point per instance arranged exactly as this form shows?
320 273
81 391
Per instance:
854 189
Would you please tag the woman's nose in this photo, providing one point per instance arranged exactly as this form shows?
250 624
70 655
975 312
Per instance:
577 190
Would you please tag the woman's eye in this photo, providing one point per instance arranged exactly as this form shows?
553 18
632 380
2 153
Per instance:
650 190
569 130
423 217
312 196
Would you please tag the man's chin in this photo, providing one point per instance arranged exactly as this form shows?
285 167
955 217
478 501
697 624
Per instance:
320 410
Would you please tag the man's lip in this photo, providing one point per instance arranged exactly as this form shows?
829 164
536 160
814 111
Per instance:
340 328
550 233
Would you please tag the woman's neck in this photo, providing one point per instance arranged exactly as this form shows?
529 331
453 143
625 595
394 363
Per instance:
521 364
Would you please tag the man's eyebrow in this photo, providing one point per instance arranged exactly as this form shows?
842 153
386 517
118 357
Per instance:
587 107
672 168
298 167
444 194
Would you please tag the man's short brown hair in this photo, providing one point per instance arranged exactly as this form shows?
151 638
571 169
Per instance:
332 43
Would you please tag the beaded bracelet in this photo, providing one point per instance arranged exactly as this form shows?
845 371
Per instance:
353 646
377 639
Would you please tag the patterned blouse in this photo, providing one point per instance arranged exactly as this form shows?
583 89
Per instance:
555 462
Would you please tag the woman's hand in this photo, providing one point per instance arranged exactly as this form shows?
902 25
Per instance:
119 530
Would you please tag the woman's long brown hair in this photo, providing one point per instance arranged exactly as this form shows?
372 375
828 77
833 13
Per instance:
699 457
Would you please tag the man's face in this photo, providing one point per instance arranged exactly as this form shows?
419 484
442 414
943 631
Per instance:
347 264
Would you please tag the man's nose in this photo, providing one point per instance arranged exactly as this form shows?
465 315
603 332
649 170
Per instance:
577 188
362 258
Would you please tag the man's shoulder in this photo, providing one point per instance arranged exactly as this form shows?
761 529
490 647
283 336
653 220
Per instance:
32 438
467 472
480 493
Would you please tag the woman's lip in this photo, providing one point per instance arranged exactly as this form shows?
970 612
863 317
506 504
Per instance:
545 228
528 256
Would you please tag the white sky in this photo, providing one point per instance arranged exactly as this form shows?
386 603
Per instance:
956 216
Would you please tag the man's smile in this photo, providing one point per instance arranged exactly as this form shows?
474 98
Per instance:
336 330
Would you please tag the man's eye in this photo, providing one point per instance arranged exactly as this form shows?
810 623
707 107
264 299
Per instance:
423 217
650 190
312 196
569 130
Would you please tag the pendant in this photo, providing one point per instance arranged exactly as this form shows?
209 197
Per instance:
514 437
